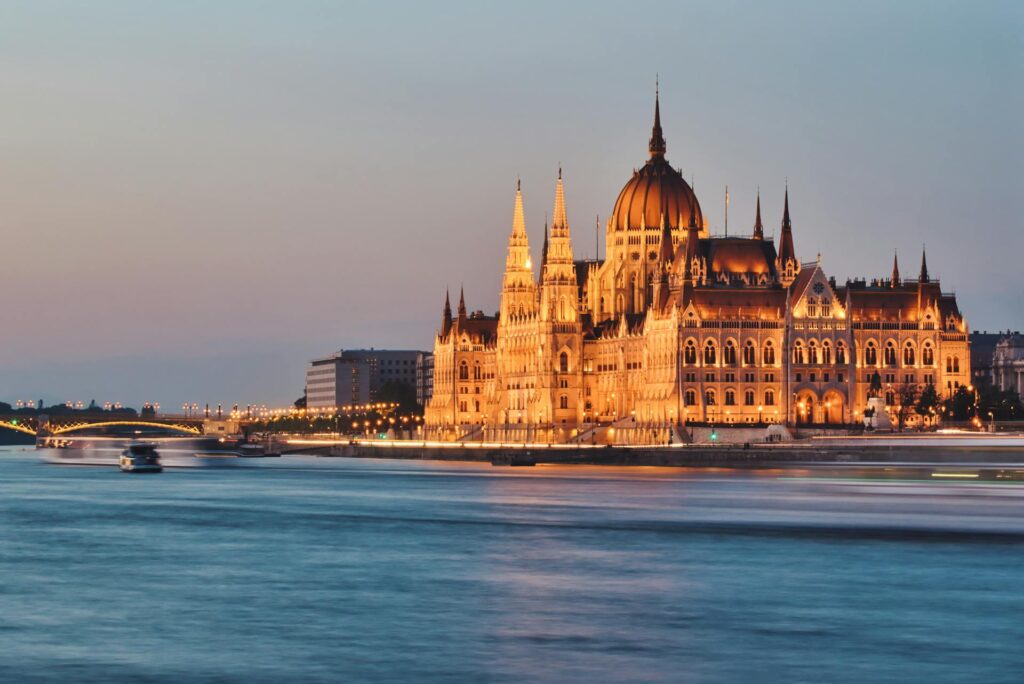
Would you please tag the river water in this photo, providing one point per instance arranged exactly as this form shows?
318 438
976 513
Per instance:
338 570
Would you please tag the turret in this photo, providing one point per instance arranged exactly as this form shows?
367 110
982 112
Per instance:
758 228
518 288
558 278
787 265
462 304
923 277
446 317
895 271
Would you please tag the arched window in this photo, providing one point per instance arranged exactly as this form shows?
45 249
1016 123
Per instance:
563 363
690 353
476 371
748 398
769 397
812 307
890 354
812 352
463 371
798 352
908 355
749 353
729 353
768 356
928 355
826 352
691 397
709 353
956 364
709 397
826 307
840 354
563 402
949 364
730 397
871 355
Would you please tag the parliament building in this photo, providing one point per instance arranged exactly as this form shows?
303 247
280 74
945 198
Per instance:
677 327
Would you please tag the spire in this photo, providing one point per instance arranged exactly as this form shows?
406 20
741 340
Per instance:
462 303
786 250
657 144
665 253
518 222
446 318
758 228
895 270
544 249
924 267
559 222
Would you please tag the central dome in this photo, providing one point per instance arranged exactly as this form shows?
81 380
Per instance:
655 189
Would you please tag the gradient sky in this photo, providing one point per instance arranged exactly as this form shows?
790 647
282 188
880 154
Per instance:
198 197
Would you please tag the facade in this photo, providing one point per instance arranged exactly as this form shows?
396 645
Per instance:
354 376
1008 364
983 349
676 326
424 377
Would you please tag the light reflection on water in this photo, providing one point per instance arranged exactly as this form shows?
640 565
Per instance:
343 570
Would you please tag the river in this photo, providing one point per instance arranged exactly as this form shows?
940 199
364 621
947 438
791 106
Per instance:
341 570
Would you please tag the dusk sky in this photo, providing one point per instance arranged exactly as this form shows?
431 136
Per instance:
196 198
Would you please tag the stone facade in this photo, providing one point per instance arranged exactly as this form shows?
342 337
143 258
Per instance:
676 327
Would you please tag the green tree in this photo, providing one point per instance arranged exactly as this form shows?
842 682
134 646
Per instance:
401 393
906 398
927 402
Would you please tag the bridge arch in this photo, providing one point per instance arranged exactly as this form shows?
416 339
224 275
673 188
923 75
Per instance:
73 427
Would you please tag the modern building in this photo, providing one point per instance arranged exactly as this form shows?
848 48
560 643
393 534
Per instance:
983 349
678 326
355 376
424 378
1008 364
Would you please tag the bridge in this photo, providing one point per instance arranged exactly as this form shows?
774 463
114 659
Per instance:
41 425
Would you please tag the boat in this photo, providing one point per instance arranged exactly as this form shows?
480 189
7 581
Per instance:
140 457
513 458
175 451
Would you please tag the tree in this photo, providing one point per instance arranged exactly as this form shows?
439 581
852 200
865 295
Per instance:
927 402
906 398
401 393
301 401
960 406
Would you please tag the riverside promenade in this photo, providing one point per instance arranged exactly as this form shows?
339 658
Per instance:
968 449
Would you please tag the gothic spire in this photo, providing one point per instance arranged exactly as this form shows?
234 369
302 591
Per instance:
544 249
786 250
518 222
758 228
665 252
924 267
446 318
559 222
657 144
462 303
895 270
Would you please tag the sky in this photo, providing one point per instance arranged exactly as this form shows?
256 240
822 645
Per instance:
197 198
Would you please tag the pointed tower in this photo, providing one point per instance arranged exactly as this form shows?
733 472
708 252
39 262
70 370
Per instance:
665 259
923 277
787 265
657 146
895 271
518 290
462 304
559 298
758 228
446 317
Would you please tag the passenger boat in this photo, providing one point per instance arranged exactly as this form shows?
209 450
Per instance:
175 451
140 457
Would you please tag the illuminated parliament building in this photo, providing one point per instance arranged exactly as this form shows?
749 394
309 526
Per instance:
677 327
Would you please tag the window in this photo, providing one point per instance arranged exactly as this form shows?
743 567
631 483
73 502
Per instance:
691 397
769 397
709 397
563 363
812 352
890 399
563 402
749 353
798 352
871 354
840 354
476 372
956 364
949 364
748 398
769 354
927 356
908 355
826 353
690 353
730 397
709 377
812 307
890 354
709 353
463 372
729 355
839 377
799 377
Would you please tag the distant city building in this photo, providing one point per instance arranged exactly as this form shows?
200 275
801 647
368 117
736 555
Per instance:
677 326
1008 364
424 378
355 376
983 349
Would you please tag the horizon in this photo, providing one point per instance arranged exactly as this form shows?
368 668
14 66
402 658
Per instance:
202 199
